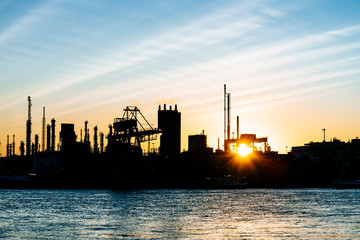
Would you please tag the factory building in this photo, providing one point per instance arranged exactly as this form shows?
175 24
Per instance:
197 142
329 159
169 122
67 135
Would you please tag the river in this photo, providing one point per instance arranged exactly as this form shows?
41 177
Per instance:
180 214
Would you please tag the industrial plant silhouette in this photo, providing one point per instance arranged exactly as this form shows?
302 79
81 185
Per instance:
246 161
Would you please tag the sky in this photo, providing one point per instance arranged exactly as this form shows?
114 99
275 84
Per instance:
292 67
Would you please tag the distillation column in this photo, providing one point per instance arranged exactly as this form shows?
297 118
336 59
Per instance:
48 136
13 145
86 132
96 149
53 134
101 142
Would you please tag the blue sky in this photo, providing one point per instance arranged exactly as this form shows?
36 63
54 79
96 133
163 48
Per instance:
292 67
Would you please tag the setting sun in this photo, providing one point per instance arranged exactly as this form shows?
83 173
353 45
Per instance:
244 150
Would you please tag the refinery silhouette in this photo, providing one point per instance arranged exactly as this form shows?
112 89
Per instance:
122 163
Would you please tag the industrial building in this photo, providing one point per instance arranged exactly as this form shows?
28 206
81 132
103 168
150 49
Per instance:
128 159
231 144
198 143
329 159
67 135
169 122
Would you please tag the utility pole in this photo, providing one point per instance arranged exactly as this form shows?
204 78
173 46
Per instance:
324 134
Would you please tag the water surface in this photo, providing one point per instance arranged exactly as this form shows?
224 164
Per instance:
180 214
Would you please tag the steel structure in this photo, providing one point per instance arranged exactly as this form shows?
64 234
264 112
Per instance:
248 139
129 130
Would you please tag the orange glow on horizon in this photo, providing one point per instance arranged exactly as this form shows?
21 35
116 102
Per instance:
244 150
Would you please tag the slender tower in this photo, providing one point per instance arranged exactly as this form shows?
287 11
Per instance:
53 134
22 149
13 145
36 145
43 131
237 128
28 129
48 137
7 147
228 117
101 142
224 116
96 149
86 131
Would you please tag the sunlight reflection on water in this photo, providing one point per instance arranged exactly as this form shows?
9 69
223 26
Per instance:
184 214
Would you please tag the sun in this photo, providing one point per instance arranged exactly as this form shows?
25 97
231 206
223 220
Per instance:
244 150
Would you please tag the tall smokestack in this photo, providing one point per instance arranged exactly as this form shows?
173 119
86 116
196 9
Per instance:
237 127
110 130
96 150
13 145
53 134
86 131
228 117
22 148
101 142
224 115
7 147
48 136
28 129
43 131
36 148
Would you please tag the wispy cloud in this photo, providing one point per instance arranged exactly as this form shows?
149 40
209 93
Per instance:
205 32
260 66
209 31
23 24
